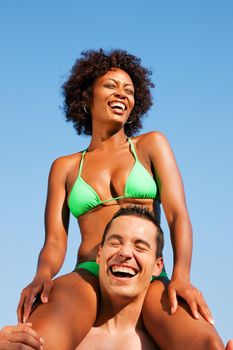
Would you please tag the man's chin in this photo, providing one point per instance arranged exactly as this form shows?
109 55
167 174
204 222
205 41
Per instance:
127 290
123 293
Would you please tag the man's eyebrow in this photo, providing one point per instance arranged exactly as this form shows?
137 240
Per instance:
142 241
117 81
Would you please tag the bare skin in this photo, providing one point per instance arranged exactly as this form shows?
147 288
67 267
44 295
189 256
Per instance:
20 337
108 149
27 339
180 340
119 323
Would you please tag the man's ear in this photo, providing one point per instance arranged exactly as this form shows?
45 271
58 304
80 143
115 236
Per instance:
98 256
158 267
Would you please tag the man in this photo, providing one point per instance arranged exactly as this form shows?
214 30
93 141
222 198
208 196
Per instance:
130 253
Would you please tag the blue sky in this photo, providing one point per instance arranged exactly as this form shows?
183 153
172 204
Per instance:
188 45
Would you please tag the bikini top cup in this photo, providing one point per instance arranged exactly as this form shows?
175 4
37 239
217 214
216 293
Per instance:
139 184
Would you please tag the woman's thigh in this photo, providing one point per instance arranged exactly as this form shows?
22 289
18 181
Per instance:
180 330
70 313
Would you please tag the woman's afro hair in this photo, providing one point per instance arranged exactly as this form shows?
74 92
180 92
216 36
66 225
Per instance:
77 90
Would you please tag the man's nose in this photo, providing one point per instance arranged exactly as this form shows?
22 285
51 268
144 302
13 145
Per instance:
126 251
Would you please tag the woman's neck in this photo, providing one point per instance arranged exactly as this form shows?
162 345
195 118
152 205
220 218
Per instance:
107 141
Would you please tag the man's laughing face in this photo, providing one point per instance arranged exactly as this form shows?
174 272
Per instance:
128 257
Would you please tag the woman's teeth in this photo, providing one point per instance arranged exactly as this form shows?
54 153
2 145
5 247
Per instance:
118 105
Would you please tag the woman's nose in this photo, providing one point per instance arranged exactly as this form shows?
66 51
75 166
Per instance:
120 94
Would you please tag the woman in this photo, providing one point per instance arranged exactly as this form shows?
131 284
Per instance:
106 97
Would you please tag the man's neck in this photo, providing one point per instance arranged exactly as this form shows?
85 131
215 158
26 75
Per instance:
120 315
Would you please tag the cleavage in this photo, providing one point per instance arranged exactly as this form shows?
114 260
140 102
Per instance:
107 181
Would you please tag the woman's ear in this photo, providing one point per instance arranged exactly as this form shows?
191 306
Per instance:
158 267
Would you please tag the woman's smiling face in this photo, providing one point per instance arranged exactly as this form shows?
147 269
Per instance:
113 97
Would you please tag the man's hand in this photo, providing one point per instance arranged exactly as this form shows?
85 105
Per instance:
21 337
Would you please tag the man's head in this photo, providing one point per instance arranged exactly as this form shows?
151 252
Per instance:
144 213
130 253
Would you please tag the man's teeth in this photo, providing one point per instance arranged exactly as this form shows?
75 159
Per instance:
123 269
117 105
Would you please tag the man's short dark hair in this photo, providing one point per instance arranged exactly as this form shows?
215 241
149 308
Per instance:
140 212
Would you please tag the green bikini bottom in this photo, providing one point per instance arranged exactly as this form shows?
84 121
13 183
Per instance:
93 268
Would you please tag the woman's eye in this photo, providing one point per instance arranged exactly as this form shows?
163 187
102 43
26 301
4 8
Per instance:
110 86
131 92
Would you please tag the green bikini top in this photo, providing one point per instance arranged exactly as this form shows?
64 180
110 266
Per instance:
140 184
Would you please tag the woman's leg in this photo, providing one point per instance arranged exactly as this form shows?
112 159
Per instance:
179 331
70 313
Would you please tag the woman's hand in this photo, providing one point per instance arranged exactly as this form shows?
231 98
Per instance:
39 286
21 336
194 298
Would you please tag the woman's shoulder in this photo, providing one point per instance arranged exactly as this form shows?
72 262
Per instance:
63 164
152 138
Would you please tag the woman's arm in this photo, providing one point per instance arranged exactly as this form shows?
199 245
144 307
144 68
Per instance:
173 201
53 252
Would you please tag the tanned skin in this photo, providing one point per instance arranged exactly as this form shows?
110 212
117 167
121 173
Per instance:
108 162
130 245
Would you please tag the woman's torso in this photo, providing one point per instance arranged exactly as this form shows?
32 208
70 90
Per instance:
105 174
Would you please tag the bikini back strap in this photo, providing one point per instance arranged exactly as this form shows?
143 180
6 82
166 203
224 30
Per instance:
132 148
